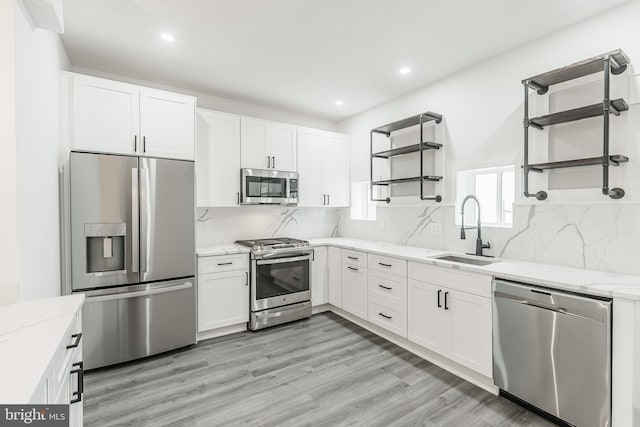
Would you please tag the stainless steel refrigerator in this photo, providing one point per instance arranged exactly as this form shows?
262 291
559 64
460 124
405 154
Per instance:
133 254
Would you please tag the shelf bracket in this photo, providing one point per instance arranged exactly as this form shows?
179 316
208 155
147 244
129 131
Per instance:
539 88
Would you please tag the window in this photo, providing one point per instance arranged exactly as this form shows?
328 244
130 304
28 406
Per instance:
361 205
495 188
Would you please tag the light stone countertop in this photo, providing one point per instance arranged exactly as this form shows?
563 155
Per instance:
30 334
224 249
568 278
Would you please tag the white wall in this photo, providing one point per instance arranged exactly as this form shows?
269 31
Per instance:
226 105
483 110
8 217
39 58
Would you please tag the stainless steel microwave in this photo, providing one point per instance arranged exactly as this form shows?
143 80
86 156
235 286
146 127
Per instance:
266 186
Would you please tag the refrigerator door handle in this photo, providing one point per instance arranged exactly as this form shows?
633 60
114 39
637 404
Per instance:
135 221
144 219
127 295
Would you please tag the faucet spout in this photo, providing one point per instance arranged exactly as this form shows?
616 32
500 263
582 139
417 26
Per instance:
479 244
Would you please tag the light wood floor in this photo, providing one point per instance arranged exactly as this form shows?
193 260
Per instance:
323 371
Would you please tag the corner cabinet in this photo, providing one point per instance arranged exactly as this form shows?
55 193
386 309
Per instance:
106 116
217 159
319 283
267 145
323 168
334 275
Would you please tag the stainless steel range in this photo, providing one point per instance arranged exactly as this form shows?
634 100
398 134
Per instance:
280 281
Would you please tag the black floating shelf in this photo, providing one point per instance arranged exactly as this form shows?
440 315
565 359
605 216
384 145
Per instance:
580 69
594 110
403 180
406 150
614 160
409 121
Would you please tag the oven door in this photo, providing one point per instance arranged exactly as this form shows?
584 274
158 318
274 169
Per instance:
280 281
268 187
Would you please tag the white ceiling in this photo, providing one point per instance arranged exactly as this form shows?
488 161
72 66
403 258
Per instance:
303 55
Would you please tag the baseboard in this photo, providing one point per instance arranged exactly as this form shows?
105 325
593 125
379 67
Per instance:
214 333
463 372
320 308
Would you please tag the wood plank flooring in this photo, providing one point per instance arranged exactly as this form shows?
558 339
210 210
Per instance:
323 371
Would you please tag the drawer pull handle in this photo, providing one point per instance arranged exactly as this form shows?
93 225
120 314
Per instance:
385 265
352 268
385 316
225 263
446 303
353 258
77 337
439 292
385 287
77 395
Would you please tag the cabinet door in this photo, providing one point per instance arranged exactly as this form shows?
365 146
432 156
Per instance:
217 159
334 274
223 299
105 115
426 321
253 143
281 146
469 335
335 170
354 290
310 169
167 124
319 288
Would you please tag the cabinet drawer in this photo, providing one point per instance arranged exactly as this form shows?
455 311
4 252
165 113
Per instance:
219 263
477 284
388 316
388 287
354 258
388 264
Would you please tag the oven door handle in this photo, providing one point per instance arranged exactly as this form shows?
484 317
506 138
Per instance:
283 260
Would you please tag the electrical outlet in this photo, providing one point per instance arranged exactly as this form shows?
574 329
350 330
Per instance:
436 229
381 224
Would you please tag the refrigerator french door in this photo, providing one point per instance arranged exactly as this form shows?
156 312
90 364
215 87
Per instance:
132 254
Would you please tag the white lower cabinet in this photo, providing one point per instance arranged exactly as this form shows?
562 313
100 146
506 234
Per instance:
354 290
319 284
452 323
223 296
334 275
392 317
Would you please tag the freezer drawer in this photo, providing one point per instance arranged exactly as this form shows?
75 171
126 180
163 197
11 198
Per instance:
138 321
552 350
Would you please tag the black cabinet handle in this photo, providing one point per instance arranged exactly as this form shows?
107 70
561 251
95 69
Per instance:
77 395
384 265
238 198
446 303
439 292
385 316
352 268
274 162
225 263
76 342
247 282
328 199
144 144
354 258
385 287
135 143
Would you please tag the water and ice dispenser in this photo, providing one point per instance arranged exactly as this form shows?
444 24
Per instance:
105 245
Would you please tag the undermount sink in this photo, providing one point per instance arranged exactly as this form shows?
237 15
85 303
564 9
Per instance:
465 260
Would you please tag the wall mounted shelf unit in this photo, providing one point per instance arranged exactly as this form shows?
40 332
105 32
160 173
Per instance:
421 146
614 62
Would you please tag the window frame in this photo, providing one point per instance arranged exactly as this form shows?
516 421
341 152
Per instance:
470 185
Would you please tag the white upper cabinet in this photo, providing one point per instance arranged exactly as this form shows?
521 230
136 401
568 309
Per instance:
323 168
217 159
105 115
167 124
113 117
268 145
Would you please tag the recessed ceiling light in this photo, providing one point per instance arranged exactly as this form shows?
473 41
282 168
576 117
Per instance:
339 102
405 70
167 37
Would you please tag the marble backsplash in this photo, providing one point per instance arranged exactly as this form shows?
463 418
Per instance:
225 225
593 236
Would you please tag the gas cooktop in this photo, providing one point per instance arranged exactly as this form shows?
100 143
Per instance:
264 245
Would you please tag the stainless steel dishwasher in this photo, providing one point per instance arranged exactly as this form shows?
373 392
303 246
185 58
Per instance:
552 350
